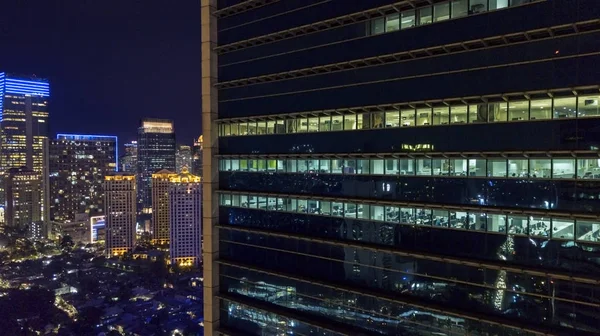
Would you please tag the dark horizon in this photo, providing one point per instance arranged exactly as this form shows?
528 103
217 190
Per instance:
144 59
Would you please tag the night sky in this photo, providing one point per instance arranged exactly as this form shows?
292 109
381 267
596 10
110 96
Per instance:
110 62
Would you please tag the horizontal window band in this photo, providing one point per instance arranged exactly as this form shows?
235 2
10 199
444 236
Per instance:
530 96
468 224
443 207
472 261
435 278
403 300
424 154
338 22
300 316
554 32
242 7
466 70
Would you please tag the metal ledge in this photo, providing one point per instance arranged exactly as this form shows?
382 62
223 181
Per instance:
452 48
242 7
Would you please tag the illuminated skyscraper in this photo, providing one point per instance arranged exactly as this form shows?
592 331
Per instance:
183 157
197 157
120 212
24 199
78 164
128 161
185 215
24 130
401 167
160 206
156 151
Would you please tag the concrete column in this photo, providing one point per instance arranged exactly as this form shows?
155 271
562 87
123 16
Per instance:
210 173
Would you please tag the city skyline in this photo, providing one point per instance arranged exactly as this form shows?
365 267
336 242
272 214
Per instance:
89 81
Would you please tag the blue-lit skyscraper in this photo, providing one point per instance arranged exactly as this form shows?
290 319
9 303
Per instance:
24 129
78 164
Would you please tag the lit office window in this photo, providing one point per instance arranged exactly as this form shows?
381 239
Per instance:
518 110
441 11
251 128
261 127
425 15
539 226
518 168
588 231
391 167
497 167
441 115
423 166
440 167
541 109
271 127
478 113
362 121
539 168
458 167
337 123
313 124
407 19
496 223
588 168
563 229
377 167
392 118
363 167
459 8
477 167
565 107
498 4
458 220
518 225
424 116
588 106
408 117
377 120
563 168
440 218
325 124
458 114
392 22
406 166
350 122
325 166
497 112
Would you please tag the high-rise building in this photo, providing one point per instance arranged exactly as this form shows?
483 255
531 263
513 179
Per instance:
183 157
185 200
129 159
392 167
156 151
24 200
160 206
197 157
24 130
120 212
78 164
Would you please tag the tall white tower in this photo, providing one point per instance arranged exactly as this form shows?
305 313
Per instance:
120 206
185 199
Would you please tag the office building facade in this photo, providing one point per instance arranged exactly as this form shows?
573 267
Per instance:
24 129
161 181
120 213
197 156
185 201
156 151
128 161
78 164
24 200
401 167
